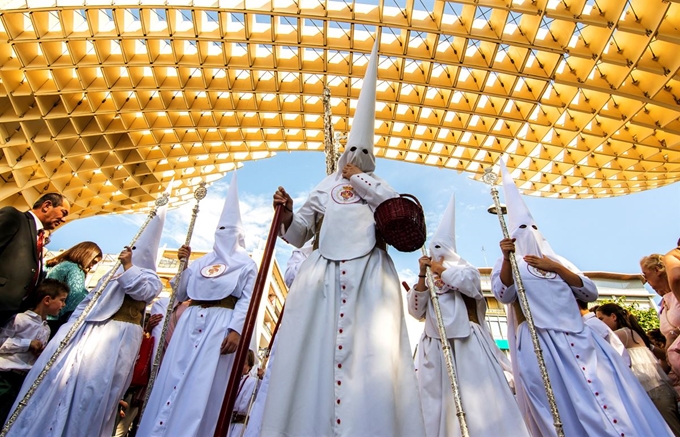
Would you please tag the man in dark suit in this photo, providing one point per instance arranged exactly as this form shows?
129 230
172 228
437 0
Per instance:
21 242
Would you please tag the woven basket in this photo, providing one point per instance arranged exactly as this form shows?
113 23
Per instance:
401 223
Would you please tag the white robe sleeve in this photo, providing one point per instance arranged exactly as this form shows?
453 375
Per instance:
417 302
304 221
373 190
238 317
140 284
503 293
293 266
465 279
588 292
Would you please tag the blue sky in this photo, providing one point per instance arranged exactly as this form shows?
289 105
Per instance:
609 234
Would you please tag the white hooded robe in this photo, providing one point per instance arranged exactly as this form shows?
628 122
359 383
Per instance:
489 405
595 392
187 396
79 395
343 365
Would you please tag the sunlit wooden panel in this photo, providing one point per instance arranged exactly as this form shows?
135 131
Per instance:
109 103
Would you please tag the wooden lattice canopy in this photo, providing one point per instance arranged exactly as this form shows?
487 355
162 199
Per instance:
108 100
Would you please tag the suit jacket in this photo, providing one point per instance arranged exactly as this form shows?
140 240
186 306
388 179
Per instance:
18 257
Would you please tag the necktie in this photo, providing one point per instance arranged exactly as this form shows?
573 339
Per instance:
40 244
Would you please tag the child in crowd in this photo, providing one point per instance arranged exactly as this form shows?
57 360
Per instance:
24 337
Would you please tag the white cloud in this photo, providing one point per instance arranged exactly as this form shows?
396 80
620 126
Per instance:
408 276
474 207
256 215
135 219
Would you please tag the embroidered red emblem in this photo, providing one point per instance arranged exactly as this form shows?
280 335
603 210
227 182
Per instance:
344 194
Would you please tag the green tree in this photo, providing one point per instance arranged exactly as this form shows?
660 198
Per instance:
648 318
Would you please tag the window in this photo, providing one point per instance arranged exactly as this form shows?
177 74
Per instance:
498 325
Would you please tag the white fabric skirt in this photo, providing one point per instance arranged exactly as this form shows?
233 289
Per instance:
596 393
188 393
489 405
343 365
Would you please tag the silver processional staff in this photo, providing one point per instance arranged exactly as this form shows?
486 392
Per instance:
490 178
199 195
448 354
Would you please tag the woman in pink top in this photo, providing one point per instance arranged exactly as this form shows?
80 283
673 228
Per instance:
654 272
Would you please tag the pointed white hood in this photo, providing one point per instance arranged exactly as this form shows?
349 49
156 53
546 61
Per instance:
216 274
144 256
443 243
230 235
359 147
145 249
522 226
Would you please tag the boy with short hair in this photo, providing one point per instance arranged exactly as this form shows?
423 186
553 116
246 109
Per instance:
24 337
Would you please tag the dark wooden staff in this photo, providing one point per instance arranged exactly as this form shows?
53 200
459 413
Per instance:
248 327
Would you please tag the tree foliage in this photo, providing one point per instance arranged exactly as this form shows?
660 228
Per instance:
647 318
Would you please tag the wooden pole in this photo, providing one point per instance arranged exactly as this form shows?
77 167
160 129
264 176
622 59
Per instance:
248 327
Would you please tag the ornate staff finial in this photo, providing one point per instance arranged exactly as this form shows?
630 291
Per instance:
200 192
489 177
162 200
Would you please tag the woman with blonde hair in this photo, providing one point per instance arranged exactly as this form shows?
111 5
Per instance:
71 266
654 271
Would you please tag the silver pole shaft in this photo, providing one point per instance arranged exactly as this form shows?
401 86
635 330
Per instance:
329 145
200 194
524 304
250 407
448 353
77 324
